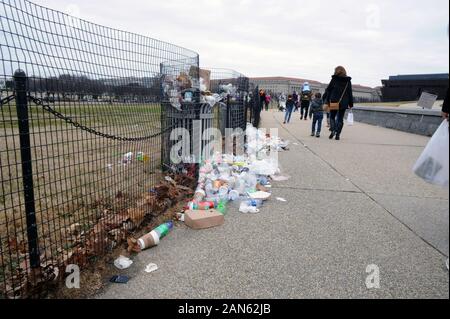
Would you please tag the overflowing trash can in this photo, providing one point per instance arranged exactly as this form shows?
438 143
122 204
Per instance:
231 91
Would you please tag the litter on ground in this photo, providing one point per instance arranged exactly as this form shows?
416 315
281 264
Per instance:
151 268
123 263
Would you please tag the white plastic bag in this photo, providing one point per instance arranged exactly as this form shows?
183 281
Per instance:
123 262
433 164
350 119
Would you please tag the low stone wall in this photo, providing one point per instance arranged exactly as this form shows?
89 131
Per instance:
422 122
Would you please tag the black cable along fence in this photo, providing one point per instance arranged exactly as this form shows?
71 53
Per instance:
85 119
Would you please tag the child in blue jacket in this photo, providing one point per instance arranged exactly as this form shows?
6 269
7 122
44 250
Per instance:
316 111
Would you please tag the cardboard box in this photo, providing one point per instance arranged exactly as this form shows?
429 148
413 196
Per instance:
203 219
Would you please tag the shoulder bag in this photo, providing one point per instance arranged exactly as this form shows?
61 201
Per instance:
335 106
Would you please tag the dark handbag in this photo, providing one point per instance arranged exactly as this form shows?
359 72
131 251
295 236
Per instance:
336 106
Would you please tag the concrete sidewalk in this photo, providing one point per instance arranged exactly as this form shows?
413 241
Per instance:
350 204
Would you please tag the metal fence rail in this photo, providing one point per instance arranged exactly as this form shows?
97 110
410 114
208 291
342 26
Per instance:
82 129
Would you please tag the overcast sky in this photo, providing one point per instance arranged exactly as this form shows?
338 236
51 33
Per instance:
297 38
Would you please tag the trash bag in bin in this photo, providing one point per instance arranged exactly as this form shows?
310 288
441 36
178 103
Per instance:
433 164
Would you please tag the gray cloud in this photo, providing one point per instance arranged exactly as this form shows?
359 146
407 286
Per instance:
373 39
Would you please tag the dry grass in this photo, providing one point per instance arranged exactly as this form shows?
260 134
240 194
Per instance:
78 177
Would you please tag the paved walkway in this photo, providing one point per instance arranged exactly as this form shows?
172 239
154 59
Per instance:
350 204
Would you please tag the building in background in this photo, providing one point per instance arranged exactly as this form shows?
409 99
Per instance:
361 93
411 87
277 85
366 94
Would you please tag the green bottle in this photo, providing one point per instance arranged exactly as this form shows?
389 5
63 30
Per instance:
222 207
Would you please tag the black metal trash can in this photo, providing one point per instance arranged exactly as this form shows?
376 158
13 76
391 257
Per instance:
195 119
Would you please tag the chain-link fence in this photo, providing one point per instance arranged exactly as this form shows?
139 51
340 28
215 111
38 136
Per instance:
83 126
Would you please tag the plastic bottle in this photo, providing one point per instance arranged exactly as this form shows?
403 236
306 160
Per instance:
255 203
233 195
201 205
199 195
223 192
209 189
222 207
240 186
164 229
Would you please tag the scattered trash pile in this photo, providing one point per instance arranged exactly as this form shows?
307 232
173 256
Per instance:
225 182
245 179
183 86
228 91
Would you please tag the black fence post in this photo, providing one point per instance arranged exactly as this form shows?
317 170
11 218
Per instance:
245 111
20 81
228 112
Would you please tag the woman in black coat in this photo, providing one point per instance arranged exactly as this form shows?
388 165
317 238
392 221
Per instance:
339 87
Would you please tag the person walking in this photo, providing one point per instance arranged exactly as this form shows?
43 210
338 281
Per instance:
326 109
339 97
306 97
267 101
289 109
262 98
316 112
296 100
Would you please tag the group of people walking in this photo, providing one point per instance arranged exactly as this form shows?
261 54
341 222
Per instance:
265 99
337 99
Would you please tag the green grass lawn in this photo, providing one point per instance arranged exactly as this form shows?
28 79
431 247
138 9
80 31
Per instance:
86 114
